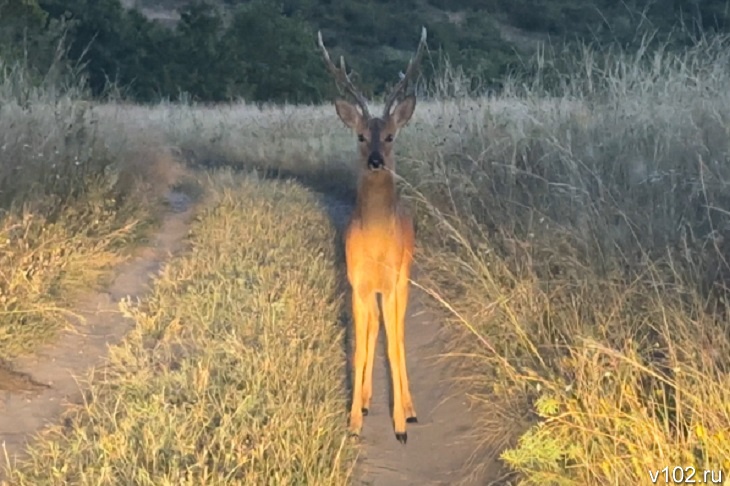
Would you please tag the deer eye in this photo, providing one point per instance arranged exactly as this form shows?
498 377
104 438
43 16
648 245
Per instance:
361 138
389 138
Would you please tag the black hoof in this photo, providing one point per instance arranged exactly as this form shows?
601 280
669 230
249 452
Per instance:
402 437
364 412
412 420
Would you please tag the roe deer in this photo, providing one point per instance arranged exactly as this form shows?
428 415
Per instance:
379 242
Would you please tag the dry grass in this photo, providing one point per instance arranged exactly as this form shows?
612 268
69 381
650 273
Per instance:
577 242
234 373
70 205
581 244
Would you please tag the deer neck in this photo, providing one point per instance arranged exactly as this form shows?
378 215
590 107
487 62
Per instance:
377 199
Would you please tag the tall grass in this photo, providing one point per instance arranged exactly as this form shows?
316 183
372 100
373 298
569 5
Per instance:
580 240
574 230
69 203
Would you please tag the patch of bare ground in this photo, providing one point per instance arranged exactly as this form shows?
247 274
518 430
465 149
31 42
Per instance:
35 388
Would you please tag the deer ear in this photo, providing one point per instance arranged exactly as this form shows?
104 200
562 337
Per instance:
348 114
403 111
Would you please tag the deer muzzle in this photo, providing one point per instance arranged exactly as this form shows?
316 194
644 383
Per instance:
375 161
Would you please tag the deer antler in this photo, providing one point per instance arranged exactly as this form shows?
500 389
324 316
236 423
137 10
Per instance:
405 78
342 78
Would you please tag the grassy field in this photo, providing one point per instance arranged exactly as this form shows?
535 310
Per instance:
576 242
235 369
580 242
73 201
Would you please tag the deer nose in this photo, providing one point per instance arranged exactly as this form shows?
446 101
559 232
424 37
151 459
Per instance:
375 161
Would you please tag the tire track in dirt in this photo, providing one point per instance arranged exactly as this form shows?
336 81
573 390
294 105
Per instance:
34 394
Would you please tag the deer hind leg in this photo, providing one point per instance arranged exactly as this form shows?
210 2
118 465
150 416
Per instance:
401 307
391 330
360 315
373 326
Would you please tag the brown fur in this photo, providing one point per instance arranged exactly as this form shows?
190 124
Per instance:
379 243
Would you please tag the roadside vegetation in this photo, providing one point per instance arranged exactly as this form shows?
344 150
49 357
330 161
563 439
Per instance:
580 242
572 230
577 244
71 203
234 372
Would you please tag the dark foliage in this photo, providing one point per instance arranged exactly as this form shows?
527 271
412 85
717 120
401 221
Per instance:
264 50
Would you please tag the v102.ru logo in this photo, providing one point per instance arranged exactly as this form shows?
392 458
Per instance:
685 475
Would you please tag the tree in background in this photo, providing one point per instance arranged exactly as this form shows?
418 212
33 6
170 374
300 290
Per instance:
21 21
275 55
27 38
264 50
199 64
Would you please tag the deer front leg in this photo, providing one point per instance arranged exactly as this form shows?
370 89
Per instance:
391 330
360 321
372 341
402 291
401 307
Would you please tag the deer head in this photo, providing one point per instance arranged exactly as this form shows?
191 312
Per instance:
375 135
